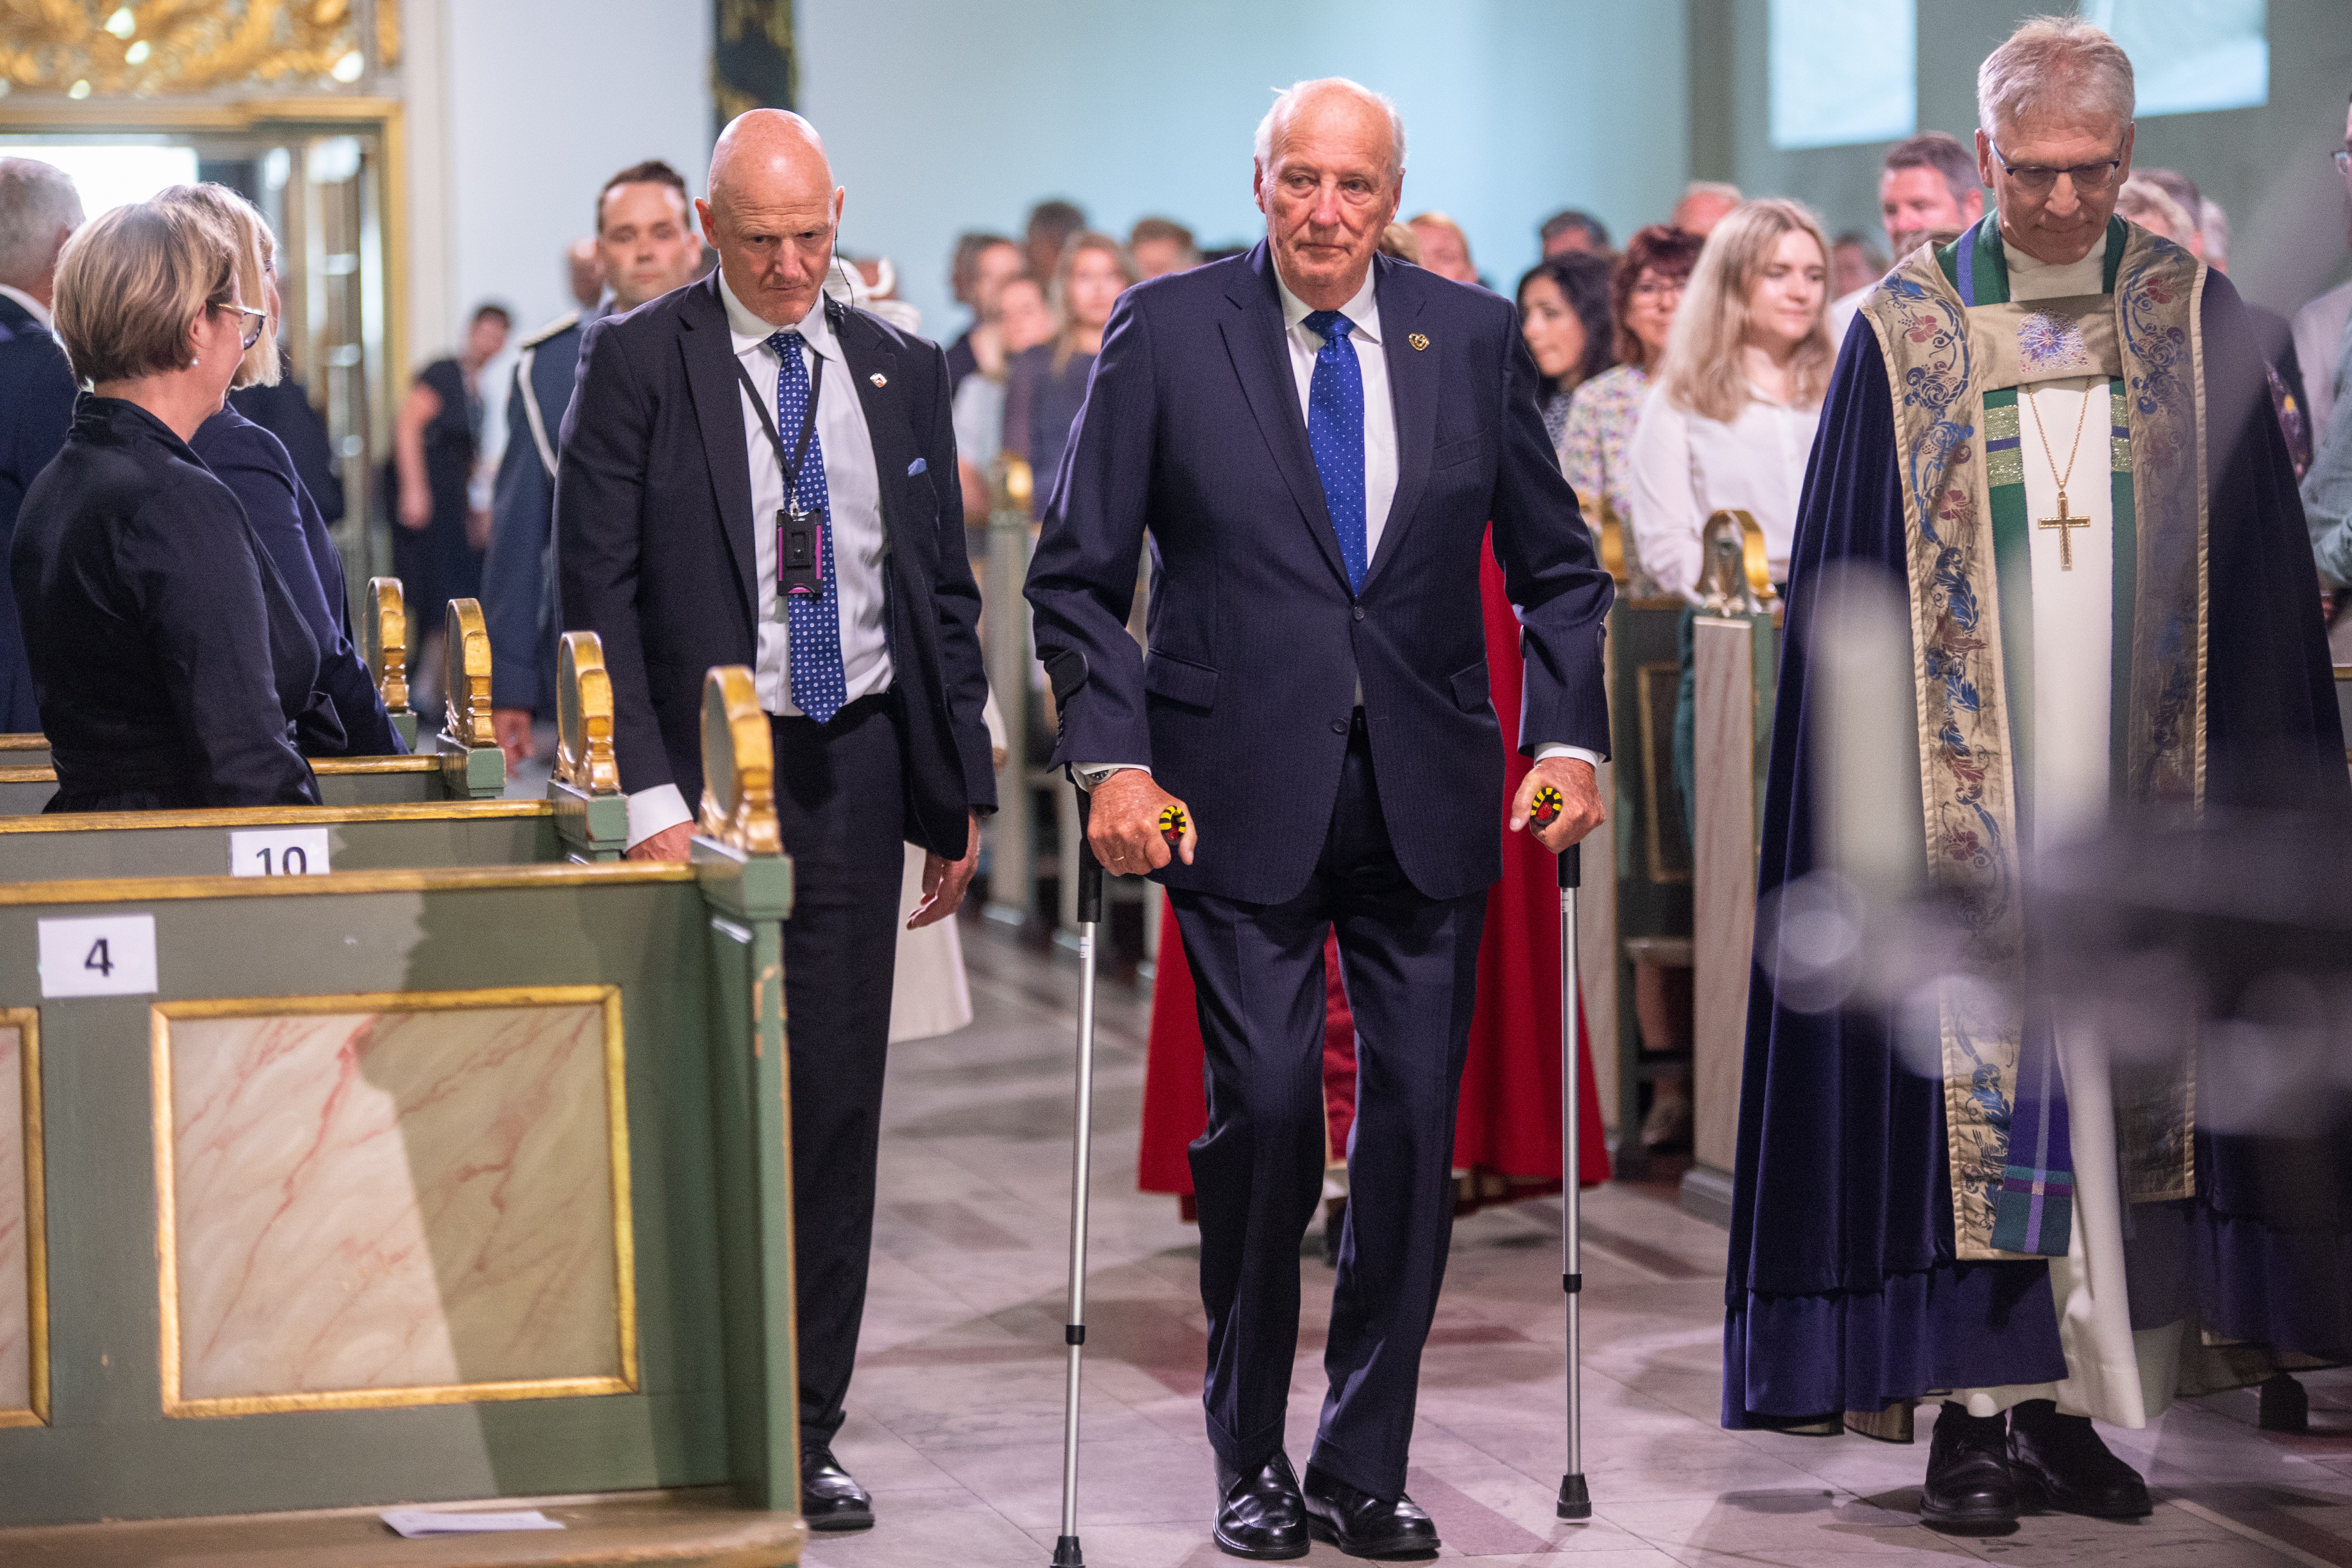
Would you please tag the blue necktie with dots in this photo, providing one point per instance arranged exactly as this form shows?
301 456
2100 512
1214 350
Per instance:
812 632
1335 430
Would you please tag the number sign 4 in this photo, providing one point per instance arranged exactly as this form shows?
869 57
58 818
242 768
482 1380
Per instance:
279 852
113 955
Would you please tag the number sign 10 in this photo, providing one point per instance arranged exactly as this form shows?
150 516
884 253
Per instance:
279 852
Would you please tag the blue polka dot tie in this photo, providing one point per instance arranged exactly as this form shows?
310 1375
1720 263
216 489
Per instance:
820 684
1335 430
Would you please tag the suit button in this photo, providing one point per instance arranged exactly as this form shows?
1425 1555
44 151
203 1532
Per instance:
1338 726
1360 611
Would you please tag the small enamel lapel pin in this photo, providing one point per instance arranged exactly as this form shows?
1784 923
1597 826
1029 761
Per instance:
878 379
1418 342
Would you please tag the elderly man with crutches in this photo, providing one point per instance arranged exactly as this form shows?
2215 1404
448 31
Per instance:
1316 439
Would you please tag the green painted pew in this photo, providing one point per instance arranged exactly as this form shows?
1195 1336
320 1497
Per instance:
403 1185
584 817
462 762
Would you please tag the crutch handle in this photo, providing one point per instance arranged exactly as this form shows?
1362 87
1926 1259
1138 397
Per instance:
1090 875
1172 825
1572 866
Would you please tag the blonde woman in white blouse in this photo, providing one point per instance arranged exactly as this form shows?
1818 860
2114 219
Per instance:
1729 422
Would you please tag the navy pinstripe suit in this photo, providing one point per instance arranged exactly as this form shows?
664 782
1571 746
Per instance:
1384 821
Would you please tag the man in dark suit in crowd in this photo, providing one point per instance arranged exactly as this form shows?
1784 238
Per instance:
1316 439
39 210
645 247
753 474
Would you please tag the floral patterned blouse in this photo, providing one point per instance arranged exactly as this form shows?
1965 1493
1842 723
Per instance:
1592 453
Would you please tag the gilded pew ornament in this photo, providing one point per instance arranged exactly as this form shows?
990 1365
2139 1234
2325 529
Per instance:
739 794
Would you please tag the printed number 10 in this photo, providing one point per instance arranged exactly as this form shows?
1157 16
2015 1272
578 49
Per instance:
291 862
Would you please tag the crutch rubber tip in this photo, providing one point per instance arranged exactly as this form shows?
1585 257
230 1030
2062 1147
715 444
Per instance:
1575 1501
1067 1555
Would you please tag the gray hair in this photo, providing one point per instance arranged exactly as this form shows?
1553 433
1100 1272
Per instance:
37 201
2051 60
1286 101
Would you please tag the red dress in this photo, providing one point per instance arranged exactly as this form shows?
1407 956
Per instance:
1507 1132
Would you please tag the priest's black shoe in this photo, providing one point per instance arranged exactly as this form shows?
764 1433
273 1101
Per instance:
1362 1525
2060 1463
1971 1487
1260 1515
829 1499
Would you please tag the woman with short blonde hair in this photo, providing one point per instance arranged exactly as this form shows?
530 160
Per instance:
165 655
279 508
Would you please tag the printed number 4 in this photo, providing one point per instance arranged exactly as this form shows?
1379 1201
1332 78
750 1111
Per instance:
100 959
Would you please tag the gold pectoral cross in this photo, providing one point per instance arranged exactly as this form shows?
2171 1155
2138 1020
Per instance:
2065 525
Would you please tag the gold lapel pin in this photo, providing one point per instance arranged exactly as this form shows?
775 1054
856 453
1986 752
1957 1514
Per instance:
878 379
1418 342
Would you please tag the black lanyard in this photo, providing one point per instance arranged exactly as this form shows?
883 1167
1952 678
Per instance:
791 465
800 535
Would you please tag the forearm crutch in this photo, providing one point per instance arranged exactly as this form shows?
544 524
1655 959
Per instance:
1068 673
1575 1499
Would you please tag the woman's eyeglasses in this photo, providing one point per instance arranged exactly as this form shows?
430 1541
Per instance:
2039 180
1657 288
257 321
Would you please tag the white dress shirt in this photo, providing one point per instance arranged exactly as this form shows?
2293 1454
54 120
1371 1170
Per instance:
854 499
39 311
1687 466
1380 445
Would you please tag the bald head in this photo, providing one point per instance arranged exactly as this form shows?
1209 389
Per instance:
1334 102
772 213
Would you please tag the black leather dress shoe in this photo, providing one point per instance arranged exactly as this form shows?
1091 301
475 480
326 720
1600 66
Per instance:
1362 1525
1259 1515
2060 1463
1970 1487
829 1499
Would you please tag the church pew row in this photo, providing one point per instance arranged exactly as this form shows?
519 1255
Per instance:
385 1186
462 762
584 817
1736 645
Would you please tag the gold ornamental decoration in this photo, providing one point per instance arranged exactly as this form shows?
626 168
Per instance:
383 639
739 765
105 47
583 716
466 676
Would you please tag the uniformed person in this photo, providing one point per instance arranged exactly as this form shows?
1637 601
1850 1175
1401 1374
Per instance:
646 239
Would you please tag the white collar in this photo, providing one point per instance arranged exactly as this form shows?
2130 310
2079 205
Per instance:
32 307
1364 310
2042 279
750 332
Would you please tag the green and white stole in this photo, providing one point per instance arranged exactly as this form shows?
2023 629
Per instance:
1957 349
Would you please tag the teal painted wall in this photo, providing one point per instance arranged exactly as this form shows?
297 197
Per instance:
2267 166
941 115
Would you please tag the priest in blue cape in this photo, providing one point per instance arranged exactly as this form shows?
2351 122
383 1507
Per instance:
1966 1201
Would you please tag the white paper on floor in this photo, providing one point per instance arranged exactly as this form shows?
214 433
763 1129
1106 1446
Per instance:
413 1522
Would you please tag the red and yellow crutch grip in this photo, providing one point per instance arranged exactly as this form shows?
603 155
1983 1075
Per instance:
1172 825
1544 809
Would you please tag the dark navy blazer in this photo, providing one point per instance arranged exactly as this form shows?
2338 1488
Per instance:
173 668
37 408
258 469
1192 430
518 591
654 548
